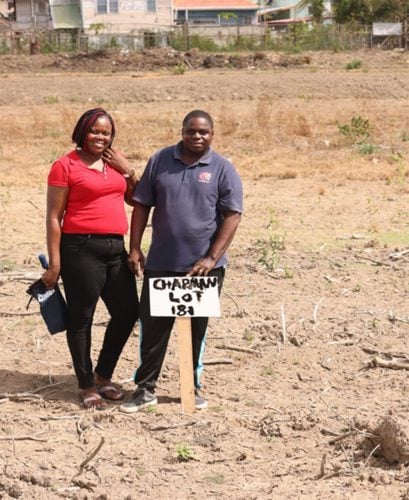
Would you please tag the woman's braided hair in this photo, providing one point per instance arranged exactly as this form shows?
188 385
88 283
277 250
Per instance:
85 122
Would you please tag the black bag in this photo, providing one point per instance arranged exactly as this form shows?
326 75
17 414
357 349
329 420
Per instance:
53 308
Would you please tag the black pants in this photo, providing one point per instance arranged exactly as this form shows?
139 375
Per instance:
155 333
94 266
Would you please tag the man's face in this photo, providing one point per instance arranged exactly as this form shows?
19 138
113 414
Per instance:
197 135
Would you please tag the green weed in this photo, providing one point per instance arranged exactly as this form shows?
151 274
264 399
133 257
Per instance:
187 42
97 27
269 250
184 453
357 130
354 64
113 43
50 99
151 409
179 69
367 148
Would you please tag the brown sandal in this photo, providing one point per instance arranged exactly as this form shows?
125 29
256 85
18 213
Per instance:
93 401
111 393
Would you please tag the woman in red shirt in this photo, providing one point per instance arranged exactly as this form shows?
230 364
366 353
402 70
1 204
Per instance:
86 224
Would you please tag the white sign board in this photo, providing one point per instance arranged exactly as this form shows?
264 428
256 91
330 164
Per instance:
184 296
387 29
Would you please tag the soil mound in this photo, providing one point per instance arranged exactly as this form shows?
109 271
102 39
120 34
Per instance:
392 435
113 60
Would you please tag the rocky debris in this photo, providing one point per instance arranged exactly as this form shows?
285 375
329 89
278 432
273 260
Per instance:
114 60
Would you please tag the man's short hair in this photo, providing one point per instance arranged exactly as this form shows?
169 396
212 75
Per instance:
198 113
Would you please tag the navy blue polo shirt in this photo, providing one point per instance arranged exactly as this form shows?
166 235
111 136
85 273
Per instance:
188 202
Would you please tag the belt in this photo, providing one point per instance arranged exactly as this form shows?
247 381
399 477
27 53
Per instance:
105 236
97 236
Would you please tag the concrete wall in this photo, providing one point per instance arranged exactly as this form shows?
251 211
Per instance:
132 16
223 31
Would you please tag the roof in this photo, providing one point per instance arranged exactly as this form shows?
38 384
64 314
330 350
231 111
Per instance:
278 22
268 10
214 5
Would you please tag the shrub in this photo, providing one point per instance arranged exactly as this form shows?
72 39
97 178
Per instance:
354 64
367 149
357 130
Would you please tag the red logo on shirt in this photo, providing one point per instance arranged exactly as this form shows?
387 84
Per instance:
205 177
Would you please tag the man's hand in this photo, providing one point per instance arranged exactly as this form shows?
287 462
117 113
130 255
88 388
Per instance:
136 262
202 267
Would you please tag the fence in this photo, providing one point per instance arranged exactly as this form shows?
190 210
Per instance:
297 38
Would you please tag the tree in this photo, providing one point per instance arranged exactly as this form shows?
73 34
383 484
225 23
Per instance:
317 9
369 11
347 11
229 16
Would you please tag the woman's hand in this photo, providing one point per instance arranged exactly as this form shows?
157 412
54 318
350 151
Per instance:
117 160
50 278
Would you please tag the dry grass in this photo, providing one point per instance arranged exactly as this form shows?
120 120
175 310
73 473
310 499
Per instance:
263 113
296 165
283 139
227 121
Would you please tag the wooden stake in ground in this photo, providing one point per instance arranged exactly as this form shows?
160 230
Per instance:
187 389
184 298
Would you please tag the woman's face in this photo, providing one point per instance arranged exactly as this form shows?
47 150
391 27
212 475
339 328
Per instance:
99 136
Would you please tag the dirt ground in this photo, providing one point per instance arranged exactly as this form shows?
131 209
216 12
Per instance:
302 402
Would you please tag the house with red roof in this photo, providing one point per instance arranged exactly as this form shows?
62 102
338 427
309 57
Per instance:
123 17
103 16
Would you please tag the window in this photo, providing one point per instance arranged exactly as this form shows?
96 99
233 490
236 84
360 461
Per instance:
151 5
42 8
107 6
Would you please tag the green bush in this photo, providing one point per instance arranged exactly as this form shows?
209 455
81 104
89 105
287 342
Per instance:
357 130
4 49
354 64
367 148
182 42
179 69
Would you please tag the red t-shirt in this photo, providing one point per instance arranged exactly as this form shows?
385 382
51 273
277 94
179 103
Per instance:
95 201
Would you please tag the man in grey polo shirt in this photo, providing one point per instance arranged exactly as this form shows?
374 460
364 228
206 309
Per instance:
197 198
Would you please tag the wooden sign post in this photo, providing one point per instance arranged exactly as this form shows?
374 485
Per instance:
183 298
187 388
